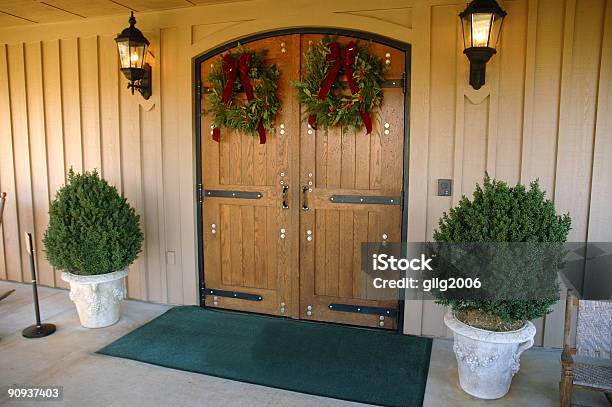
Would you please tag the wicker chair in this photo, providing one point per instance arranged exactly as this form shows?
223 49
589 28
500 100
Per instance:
586 358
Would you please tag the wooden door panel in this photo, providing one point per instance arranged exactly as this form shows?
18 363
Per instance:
241 255
338 162
240 159
244 252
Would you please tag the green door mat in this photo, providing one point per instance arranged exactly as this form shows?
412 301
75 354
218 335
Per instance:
342 362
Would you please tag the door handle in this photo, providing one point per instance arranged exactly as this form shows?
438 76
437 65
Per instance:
304 196
285 188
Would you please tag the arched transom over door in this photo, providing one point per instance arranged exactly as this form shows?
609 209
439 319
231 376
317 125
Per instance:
263 251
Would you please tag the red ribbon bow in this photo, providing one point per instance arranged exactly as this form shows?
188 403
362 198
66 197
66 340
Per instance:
231 67
346 56
350 54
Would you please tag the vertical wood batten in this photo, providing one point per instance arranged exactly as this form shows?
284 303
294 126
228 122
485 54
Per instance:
511 59
442 131
38 157
600 216
540 140
460 68
581 59
21 149
109 111
2 259
169 100
183 81
131 174
541 117
442 134
529 93
10 222
153 186
145 259
4 129
578 114
555 318
150 159
90 101
54 134
495 116
71 104
419 152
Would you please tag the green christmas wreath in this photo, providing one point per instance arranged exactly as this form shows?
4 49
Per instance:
237 72
329 102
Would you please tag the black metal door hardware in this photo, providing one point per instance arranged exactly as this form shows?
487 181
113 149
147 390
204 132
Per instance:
217 193
285 188
304 197
359 309
234 294
366 199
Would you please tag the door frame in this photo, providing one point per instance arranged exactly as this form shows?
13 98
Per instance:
197 86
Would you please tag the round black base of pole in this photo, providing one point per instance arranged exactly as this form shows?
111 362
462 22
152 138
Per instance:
38 331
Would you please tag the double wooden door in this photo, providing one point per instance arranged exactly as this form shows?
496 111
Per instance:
283 222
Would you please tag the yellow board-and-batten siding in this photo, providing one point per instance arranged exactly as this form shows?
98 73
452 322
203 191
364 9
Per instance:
545 112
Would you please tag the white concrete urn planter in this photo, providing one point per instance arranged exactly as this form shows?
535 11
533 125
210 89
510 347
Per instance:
488 360
97 297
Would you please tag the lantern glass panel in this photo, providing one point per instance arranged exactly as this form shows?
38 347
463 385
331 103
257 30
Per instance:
481 29
124 53
137 55
495 30
467 32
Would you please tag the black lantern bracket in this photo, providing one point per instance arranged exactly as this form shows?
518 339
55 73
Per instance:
141 80
478 56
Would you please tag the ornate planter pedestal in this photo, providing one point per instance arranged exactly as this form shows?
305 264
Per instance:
98 297
488 360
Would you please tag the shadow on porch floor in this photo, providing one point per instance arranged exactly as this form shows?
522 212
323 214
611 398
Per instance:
67 358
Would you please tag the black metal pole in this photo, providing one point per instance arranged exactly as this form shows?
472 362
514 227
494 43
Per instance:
39 330
34 284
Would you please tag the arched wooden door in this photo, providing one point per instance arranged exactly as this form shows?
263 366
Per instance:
261 256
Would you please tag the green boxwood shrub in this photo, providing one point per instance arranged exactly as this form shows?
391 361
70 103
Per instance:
500 213
92 229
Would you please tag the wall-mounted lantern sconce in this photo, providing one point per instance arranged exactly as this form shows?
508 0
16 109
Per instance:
132 47
482 21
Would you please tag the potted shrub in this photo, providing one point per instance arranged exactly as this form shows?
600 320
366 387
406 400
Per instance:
511 238
93 236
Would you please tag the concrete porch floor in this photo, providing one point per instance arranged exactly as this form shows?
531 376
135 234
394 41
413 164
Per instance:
67 358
